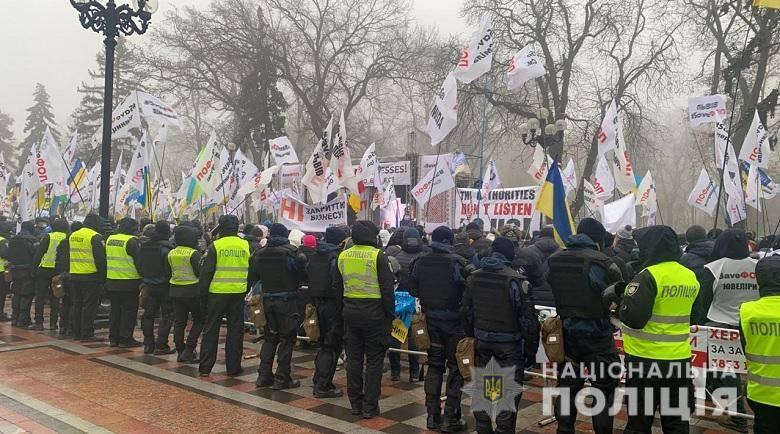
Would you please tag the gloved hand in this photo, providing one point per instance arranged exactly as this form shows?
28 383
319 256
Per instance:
610 297
614 274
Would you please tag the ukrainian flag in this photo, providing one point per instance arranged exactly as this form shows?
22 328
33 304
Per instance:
552 204
767 4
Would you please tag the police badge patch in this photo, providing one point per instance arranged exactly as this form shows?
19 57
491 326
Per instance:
631 288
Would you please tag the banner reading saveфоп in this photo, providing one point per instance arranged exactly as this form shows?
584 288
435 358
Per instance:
312 218
499 207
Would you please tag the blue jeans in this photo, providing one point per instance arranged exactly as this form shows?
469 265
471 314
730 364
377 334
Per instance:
395 359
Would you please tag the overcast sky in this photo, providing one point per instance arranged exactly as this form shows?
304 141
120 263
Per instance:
44 43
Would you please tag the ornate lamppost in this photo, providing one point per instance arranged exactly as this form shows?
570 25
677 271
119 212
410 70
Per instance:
112 21
543 131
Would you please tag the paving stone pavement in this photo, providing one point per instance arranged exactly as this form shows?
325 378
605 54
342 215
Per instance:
49 384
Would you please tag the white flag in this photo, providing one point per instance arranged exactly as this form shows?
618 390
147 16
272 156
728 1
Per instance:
368 165
619 213
48 161
125 117
704 194
258 181
155 108
28 190
92 191
444 113
569 176
116 180
162 135
478 55
755 149
624 173
589 195
491 179
341 159
753 189
722 143
283 151
539 165
208 168
434 182
70 151
645 193
331 185
735 204
525 65
706 109
317 166
607 134
603 183
139 167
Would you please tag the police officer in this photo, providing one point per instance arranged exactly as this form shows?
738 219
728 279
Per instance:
760 329
493 306
224 277
122 283
438 279
21 250
280 269
655 310
578 276
6 232
157 302
86 255
45 258
367 282
184 268
320 270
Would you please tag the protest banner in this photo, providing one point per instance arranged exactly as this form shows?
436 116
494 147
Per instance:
399 171
724 351
499 207
290 174
312 218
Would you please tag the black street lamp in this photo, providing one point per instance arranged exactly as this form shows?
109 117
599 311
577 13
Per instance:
542 131
112 21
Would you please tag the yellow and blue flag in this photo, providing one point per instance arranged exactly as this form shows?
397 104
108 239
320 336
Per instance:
552 204
767 4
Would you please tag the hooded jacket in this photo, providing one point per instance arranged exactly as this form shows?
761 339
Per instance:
152 257
533 260
21 255
658 245
411 249
696 256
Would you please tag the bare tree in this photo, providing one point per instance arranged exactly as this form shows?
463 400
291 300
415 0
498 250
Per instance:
331 52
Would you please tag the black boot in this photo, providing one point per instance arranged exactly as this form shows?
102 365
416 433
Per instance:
453 423
433 422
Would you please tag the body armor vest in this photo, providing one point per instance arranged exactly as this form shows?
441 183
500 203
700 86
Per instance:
271 263
320 277
493 310
405 260
150 260
436 277
574 297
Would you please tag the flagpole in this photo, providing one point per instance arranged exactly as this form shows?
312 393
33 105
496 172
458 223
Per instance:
728 137
482 141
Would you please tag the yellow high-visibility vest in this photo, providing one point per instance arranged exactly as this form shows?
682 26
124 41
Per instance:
666 334
357 266
181 267
82 261
50 257
760 324
120 265
232 269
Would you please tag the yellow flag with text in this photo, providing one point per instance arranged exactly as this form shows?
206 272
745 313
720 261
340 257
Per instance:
767 4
